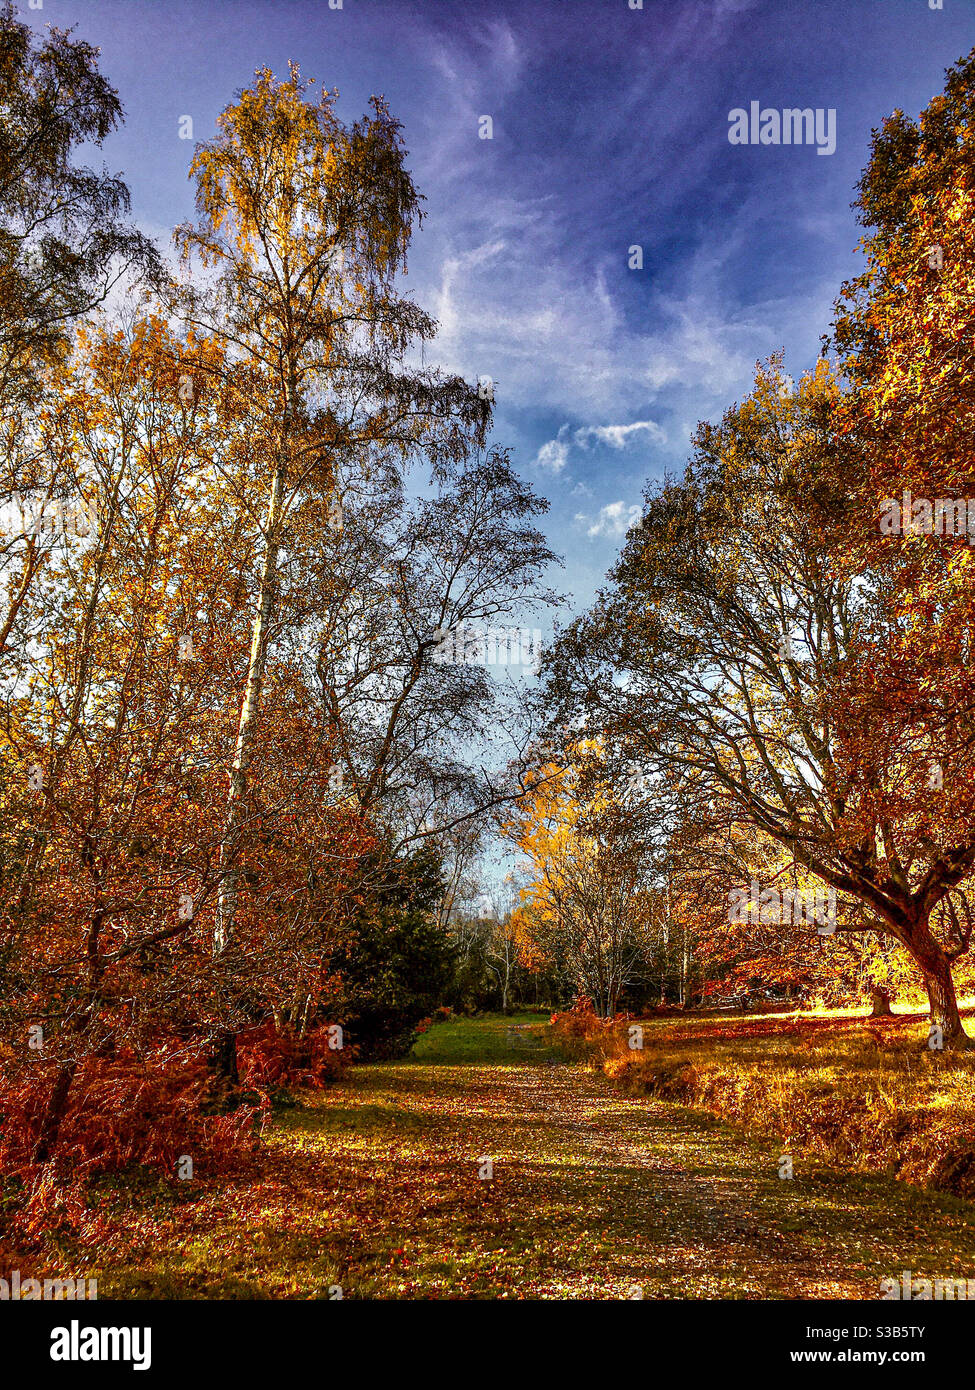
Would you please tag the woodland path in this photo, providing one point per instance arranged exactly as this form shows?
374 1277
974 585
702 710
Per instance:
374 1185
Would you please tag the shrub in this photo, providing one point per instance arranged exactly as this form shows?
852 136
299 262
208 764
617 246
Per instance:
398 963
123 1111
270 1059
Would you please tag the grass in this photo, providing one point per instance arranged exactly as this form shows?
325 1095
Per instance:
511 1040
863 1092
376 1186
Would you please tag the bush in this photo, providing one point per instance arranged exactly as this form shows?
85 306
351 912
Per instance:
269 1059
123 1111
398 963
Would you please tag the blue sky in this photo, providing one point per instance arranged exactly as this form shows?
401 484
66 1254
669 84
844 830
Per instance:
610 129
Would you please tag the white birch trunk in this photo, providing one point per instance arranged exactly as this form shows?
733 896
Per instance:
250 707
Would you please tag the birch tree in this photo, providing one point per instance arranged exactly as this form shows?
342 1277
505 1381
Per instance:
303 228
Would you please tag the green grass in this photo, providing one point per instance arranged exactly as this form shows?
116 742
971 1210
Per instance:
515 1040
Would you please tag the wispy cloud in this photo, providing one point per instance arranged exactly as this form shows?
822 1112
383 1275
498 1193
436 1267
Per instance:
614 520
618 436
554 453
474 73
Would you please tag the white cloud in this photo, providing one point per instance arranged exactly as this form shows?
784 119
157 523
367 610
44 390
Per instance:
618 436
553 338
614 520
489 60
554 454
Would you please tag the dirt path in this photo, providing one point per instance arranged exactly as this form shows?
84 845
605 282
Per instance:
375 1186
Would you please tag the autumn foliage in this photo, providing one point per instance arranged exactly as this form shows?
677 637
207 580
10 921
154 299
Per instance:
218 609
269 1059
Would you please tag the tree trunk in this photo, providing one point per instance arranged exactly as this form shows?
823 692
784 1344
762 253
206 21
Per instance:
251 704
82 1027
223 1057
56 1106
944 1005
879 1002
935 968
305 1016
